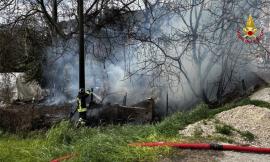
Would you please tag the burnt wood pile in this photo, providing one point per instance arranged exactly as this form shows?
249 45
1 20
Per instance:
141 112
27 116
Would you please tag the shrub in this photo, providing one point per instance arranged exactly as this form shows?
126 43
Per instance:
224 129
247 135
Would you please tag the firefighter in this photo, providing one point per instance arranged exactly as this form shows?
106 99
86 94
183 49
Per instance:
81 105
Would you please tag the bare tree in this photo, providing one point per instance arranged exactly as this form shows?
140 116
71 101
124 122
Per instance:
182 41
204 38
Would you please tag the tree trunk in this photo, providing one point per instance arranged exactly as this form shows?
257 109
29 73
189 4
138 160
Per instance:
54 16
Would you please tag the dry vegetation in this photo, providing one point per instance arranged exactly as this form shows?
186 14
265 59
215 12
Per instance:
26 117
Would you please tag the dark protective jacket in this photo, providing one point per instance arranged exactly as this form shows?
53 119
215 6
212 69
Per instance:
82 107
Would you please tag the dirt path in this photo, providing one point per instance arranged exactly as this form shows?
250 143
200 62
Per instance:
230 156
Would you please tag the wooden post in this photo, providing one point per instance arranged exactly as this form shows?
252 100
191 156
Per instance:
167 103
125 100
81 45
244 87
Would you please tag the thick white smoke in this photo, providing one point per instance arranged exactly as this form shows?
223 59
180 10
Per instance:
111 63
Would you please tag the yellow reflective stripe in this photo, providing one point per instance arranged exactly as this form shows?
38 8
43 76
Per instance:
82 109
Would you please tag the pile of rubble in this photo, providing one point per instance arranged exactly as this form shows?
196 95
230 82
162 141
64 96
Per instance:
248 118
262 95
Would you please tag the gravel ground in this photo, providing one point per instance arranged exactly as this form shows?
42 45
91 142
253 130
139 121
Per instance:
249 118
263 95
254 119
243 118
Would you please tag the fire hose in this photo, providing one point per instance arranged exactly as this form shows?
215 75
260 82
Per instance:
205 146
66 157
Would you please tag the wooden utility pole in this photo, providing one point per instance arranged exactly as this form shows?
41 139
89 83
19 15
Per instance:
81 45
54 10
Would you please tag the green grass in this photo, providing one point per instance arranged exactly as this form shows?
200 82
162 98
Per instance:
224 129
107 143
228 130
247 135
